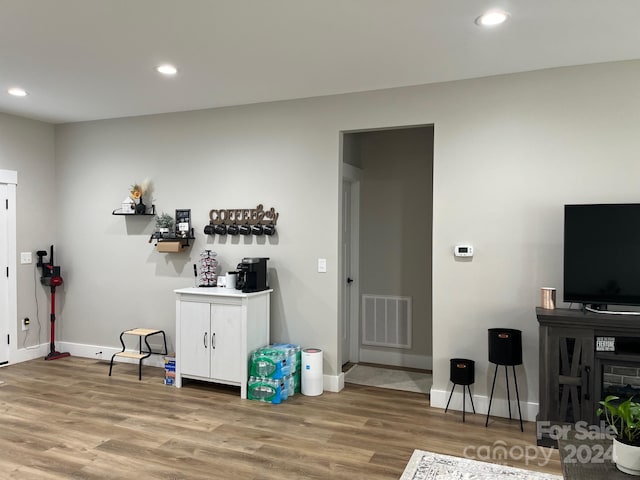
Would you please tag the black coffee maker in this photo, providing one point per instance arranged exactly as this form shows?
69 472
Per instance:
252 275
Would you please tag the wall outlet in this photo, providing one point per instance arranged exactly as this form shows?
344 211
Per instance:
25 324
25 258
322 265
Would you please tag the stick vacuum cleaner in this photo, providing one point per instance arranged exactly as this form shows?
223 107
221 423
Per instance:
51 278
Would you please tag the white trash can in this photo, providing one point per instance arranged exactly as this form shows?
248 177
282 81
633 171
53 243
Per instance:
312 376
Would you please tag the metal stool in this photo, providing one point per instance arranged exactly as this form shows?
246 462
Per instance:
142 334
462 372
505 348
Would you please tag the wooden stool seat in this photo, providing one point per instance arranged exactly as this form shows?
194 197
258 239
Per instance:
131 355
142 334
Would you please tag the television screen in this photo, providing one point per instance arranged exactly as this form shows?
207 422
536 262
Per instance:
602 254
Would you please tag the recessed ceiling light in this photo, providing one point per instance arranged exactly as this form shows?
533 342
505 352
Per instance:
492 18
167 69
17 92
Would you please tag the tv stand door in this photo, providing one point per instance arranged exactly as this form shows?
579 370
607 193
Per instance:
570 375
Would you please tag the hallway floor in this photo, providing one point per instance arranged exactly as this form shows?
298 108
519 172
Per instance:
410 380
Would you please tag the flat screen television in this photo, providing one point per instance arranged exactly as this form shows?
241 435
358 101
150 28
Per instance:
602 254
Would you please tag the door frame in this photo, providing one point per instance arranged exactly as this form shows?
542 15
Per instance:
10 309
353 176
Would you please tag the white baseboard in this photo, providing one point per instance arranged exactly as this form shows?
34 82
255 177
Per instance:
30 353
85 351
499 406
331 383
396 359
105 353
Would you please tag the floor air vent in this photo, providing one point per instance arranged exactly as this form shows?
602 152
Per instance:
386 321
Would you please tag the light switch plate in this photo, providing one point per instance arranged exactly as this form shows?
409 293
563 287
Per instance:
25 258
322 265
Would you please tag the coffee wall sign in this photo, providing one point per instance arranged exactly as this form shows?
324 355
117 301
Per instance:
243 221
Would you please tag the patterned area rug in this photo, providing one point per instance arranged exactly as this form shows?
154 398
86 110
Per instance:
389 378
433 466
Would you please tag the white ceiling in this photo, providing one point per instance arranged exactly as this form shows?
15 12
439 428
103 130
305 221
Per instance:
93 59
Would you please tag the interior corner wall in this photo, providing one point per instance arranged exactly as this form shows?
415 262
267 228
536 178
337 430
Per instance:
509 152
396 203
27 147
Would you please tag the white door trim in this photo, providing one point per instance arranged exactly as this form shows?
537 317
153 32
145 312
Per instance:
10 178
353 175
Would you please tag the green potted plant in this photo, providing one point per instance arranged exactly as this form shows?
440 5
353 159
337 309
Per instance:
624 419
164 222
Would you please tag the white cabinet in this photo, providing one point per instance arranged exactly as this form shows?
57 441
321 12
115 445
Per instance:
216 331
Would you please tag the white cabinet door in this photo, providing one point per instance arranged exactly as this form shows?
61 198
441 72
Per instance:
195 338
226 351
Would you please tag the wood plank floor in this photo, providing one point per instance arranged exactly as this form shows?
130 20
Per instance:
67 419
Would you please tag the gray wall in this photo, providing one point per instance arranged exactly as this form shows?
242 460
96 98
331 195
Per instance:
509 152
274 154
395 230
27 146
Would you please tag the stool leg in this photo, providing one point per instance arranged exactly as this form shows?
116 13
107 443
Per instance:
463 404
506 376
111 364
495 372
518 398
471 398
452 389
164 339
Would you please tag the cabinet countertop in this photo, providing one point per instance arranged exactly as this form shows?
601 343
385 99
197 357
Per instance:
219 292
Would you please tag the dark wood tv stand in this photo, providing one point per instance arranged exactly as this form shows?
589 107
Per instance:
571 369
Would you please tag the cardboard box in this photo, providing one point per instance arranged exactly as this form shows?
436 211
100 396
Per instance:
169 246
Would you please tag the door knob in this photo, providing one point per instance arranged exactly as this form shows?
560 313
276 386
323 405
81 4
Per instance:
349 280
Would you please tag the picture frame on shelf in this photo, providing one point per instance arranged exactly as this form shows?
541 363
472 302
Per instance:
183 222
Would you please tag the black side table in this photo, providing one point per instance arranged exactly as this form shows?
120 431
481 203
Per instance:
505 348
462 373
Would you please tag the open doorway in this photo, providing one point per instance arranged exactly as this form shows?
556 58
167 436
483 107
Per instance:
386 301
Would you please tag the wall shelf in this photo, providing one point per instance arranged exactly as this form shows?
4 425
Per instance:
172 243
150 212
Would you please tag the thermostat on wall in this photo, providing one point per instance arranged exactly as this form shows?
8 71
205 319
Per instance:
463 251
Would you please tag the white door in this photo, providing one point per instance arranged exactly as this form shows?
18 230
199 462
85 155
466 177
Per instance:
350 290
4 279
226 340
194 338
347 278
